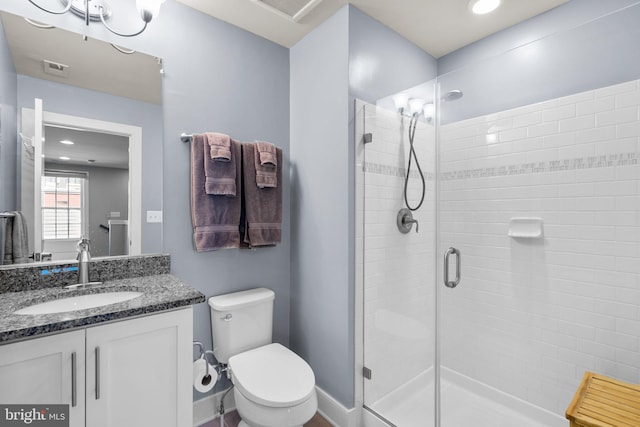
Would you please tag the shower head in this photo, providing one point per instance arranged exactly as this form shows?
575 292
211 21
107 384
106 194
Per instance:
452 95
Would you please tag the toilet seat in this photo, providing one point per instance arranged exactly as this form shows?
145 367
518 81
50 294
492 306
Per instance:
272 375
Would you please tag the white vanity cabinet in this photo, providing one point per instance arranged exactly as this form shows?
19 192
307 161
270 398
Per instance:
47 370
129 373
139 372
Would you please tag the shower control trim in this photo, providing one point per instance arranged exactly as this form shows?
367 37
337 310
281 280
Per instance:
405 221
445 271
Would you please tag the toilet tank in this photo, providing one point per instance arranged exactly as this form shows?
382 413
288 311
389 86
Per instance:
241 321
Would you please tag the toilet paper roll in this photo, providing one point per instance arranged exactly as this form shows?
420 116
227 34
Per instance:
200 382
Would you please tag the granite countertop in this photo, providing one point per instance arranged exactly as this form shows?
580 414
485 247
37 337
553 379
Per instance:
159 293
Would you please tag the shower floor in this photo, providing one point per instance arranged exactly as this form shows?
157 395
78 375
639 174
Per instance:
412 406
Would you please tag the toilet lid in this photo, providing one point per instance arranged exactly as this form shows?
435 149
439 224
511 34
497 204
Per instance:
272 375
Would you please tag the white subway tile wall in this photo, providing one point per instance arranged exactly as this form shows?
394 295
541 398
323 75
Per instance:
398 269
530 316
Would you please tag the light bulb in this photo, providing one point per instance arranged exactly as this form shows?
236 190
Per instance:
416 105
400 102
480 7
149 9
429 111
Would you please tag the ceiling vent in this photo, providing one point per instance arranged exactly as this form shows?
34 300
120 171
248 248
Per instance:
55 68
294 10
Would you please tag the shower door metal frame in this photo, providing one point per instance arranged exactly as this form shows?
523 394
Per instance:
362 371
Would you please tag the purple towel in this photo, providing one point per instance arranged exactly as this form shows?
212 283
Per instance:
215 219
266 163
262 206
16 240
219 146
220 171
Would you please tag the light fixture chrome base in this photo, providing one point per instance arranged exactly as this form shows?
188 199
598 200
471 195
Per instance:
79 8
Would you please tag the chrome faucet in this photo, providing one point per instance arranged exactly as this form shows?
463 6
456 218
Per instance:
83 261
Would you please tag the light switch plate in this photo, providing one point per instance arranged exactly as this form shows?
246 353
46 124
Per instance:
154 216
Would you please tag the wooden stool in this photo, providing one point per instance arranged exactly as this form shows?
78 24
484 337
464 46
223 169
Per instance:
601 401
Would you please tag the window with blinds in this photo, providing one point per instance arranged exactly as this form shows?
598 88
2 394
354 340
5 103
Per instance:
63 198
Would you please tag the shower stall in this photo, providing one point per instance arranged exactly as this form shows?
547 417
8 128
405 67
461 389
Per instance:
520 271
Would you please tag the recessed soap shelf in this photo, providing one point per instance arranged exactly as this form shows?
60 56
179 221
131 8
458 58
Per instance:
526 228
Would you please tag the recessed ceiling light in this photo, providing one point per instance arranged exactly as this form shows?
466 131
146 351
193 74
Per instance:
480 7
66 142
64 158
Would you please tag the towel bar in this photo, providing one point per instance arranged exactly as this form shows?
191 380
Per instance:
186 137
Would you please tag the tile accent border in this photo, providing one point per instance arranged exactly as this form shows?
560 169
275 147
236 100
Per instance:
591 162
613 160
387 170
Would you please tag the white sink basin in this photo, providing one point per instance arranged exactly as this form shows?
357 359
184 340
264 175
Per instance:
81 302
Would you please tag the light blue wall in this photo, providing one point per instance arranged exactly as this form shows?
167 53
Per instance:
350 55
320 296
569 15
589 53
8 126
65 99
382 62
219 78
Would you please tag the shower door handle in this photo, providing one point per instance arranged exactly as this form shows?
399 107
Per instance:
445 272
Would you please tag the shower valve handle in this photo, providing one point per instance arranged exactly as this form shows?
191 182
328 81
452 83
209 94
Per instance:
411 221
405 221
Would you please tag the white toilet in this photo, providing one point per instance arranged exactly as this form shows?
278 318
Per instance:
274 387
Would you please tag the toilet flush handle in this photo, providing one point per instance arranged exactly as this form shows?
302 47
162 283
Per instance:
227 317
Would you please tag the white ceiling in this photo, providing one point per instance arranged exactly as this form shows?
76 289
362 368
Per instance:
437 26
106 150
93 64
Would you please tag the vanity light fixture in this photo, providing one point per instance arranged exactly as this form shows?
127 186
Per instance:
400 102
481 7
416 106
429 111
39 24
67 142
408 106
99 10
64 158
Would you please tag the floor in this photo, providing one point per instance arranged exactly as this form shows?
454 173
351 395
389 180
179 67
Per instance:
232 419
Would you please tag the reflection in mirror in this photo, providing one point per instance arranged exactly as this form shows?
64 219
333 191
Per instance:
84 192
90 194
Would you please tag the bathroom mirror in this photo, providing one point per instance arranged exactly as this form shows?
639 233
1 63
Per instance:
93 93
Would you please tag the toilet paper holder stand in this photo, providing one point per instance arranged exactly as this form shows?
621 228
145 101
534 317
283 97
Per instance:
220 369
203 355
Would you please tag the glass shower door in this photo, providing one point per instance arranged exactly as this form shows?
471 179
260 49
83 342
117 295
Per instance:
397 269
538 190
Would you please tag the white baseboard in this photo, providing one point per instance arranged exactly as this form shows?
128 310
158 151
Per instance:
334 412
206 409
